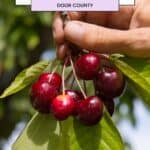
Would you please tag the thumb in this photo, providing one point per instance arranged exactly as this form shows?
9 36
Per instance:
106 40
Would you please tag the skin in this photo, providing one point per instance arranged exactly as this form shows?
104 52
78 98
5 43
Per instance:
126 32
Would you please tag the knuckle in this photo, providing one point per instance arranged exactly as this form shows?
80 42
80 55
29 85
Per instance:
97 38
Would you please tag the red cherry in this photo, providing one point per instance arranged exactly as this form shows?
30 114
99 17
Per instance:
87 66
108 102
76 96
110 106
62 106
110 82
53 79
90 110
42 94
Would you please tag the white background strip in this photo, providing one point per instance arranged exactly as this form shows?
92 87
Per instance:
28 2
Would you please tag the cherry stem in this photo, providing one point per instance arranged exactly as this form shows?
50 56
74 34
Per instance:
72 83
53 72
55 69
63 78
50 66
69 76
69 79
84 84
75 76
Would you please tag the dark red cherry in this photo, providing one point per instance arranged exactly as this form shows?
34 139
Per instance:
76 96
108 102
110 106
62 107
42 94
109 82
105 61
53 79
90 110
87 66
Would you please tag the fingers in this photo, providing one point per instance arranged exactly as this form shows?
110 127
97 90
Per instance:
140 17
61 51
58 35
90 17
99 18
74 15
122 18
138 42
93 37
104 40
119 20
58 32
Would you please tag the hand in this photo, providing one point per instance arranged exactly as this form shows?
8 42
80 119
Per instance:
126 32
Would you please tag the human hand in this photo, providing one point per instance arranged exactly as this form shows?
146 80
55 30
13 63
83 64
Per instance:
126 32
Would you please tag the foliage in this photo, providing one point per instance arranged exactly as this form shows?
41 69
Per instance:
25 78
24 36
68 134
73 135
138 73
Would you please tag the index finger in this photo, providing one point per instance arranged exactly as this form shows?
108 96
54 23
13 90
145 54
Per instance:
118 20
58 32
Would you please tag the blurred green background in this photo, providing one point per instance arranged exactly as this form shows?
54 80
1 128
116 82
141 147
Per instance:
25 37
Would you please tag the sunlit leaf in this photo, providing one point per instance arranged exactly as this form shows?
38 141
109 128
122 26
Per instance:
103 136
138 73
44 133
25 78
41 133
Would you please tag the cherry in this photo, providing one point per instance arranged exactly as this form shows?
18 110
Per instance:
62 106
87 66
42 94
110 82
105 61
110 106
90 110
53 79
108 102
76 96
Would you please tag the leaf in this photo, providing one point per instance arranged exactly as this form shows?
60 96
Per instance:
25 78
138 73
103 136
90 89
41 133
44 133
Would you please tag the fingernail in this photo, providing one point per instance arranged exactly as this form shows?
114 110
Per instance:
74 30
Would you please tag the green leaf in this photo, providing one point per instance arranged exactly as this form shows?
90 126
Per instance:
138 73
25 78
103 136
44 133
41 133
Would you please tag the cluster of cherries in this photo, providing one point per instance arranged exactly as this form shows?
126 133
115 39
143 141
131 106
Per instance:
47 96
